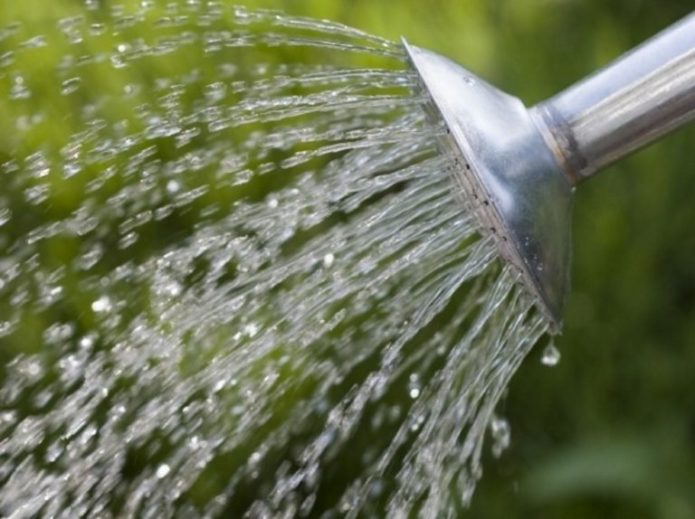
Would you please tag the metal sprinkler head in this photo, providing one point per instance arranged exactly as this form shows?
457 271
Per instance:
517 167
508 175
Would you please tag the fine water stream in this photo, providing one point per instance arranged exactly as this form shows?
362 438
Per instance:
236 277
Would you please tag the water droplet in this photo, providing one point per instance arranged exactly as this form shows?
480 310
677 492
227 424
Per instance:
194 442
19 89
251 330
87 341
8 417
551 355
128 240
97 29
5 215
70 86
54 452
58 332
501 435
32 369
255 458
102 305
163 470
414 386
117 61
71 169
173 186
90 258
5 328
35 42
6 59
242 16
417 422
130 89
173 289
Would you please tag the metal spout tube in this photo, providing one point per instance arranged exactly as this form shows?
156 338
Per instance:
641 96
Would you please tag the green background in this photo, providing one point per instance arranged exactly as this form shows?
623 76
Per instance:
610 431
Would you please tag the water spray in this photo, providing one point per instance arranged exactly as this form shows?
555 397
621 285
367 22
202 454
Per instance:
235 280
518 166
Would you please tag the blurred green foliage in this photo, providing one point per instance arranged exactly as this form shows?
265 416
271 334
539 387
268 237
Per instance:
610 431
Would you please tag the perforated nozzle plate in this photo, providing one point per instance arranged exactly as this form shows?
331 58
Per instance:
511 177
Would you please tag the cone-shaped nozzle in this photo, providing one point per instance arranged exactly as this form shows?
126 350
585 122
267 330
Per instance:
507 173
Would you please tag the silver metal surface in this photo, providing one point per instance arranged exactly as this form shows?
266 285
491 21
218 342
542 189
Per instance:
517 167
641 96
507 173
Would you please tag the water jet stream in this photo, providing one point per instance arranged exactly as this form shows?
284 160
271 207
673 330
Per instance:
235 284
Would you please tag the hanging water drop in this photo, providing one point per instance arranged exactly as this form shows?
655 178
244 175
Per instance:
551 355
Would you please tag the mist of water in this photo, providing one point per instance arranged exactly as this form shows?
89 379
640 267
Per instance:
236 279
